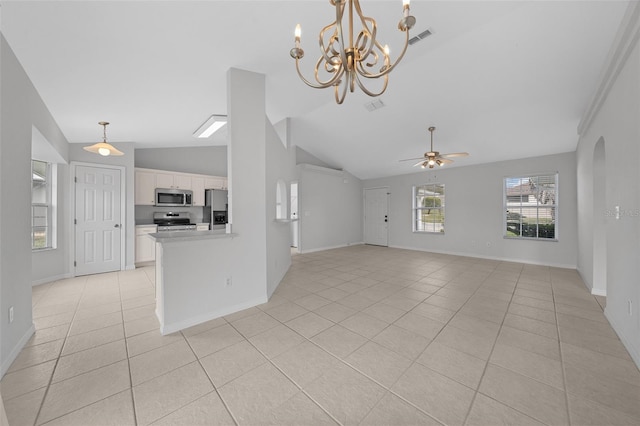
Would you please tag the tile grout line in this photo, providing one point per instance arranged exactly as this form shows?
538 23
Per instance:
53 372
126 348
564 375
285 374
495 342
215 389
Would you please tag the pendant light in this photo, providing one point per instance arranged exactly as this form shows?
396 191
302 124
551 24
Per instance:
103 148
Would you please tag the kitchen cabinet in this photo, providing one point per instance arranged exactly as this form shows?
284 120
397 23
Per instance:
173 180
145 245
147 180
197 186
216 182
145 187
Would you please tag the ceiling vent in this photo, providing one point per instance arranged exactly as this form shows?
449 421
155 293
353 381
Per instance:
421 36
372 106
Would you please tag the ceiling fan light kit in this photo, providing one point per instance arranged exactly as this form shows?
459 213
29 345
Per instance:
103 148
362 57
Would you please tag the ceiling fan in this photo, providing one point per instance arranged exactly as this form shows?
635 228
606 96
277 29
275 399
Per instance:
433 158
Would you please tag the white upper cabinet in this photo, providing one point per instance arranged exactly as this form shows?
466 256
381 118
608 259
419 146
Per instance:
147 180
145 188
215 182
197 186
173 180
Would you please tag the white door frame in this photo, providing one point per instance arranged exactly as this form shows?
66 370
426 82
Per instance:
364 211
72 211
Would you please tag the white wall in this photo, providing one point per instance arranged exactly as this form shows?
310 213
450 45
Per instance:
474 211
614 117
77 153
330 208
280 165
21 108
206 160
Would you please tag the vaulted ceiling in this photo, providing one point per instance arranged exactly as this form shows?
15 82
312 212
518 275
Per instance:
499 79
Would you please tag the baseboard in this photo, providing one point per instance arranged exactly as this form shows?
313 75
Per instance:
329 248
16 350
599 292
51 279
130 267
478 256
633 351
190 322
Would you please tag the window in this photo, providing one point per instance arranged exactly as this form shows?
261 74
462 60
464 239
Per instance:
42 202
530 206
428 208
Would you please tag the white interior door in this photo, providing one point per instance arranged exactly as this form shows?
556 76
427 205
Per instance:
376 216
294 214
98 225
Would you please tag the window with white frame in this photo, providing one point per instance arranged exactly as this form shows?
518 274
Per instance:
530 206
42 205
428 208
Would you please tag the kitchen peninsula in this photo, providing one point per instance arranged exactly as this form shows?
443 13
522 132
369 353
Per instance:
194 281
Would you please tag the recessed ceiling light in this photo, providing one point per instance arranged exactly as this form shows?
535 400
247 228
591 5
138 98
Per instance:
210 126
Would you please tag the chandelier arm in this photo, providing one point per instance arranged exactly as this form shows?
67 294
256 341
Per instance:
323 49
321 85
339 14
370 31
369 92
336 87
389 68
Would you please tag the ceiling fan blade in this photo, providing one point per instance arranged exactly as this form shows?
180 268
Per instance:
445 160
420 162
454 154
413 159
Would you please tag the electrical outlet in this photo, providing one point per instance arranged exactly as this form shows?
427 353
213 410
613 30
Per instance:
229 282
630 306
10 314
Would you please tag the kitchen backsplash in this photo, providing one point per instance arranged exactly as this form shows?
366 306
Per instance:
144 214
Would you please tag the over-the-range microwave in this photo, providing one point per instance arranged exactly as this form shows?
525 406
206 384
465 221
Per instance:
171 197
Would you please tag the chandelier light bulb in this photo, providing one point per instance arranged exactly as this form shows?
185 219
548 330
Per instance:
103 151
386 49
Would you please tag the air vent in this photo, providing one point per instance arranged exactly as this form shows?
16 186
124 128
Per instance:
372 106
421 36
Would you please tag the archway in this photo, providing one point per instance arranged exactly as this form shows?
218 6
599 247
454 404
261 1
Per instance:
600 214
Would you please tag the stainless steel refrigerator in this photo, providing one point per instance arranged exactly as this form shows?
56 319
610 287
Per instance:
215 208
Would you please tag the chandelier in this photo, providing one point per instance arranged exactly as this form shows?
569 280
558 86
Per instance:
103 148
347 61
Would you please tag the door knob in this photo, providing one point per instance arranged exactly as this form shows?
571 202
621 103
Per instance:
117 225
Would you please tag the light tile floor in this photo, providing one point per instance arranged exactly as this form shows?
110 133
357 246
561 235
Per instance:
360 335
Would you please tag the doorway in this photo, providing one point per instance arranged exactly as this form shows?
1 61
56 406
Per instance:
295 230
97 225
599 286
376 216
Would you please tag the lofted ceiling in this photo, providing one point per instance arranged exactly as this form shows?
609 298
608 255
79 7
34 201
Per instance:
499 79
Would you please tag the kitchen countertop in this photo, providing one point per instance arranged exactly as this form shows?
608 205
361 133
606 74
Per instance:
172 236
